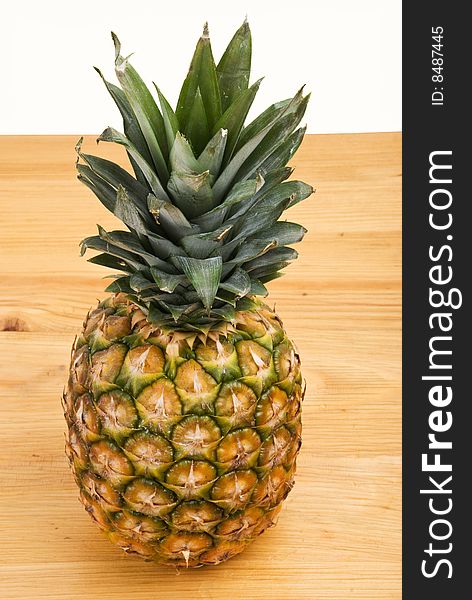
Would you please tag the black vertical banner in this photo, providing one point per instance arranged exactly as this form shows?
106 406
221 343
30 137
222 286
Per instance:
437 266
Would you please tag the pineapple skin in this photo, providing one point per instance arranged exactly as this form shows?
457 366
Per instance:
183 445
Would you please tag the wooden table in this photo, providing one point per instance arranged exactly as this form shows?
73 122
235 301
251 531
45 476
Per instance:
339 535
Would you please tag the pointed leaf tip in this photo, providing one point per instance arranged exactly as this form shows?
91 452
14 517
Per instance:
106 135
117 44
78 146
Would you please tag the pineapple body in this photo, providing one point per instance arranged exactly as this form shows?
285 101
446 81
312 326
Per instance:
183 444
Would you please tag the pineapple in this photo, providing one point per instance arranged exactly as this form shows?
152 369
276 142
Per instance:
184 395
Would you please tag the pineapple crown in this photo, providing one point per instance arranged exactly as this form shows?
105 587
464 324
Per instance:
203 207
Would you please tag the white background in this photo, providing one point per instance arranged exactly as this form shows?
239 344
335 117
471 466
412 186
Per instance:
348 52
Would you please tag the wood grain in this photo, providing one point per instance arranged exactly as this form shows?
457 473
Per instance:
339 535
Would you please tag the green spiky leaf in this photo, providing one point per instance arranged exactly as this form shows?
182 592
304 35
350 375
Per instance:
283 233
127 212
212 156
233 118
189 89
145 108
204 275
261 121
283 153
171 123
182 158
139 283
192 193
107 260
167 282
208 82
234 67
240 193
130 125
239 283
171 219
197 129
111 135
277 135
105 192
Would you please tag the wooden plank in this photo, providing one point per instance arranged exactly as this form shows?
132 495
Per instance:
339 534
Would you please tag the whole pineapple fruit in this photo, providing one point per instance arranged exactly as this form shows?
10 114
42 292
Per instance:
183 401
